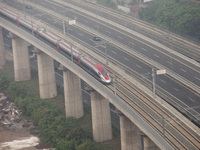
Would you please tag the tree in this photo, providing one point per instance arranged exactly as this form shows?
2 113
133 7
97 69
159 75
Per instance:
182 17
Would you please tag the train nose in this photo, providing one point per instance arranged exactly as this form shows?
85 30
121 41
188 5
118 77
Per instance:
106 77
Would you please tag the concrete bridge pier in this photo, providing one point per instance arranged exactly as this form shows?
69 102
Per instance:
2 51
149 144
20 59
46 73
73 94
101 119
130 134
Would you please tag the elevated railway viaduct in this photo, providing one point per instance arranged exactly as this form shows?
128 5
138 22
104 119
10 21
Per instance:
100 94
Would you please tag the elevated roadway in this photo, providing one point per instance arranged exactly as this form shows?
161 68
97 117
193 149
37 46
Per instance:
180 95
122 105
108 94
112 101
182 45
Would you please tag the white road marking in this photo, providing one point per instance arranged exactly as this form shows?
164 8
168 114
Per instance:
163 81
60 23
138 66
183 70
114 52
169 62
126 58
49 19
59 75
191 99
120 37
197 78
85 21
80 34
108 31
156 55
176 89
144 49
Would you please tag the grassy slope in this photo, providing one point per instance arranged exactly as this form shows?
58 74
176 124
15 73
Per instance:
85 122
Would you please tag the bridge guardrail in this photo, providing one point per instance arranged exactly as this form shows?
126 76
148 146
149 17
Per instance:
128 49
120 104
128 70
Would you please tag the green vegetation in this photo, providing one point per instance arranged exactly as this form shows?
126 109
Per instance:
181 17
54 128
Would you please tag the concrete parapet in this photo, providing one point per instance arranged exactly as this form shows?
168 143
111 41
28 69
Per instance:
73 95
2 51
101 120
20 59
46 73
149 144
130 135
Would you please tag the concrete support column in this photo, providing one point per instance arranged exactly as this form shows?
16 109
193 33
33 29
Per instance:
73 95
2 51
20 59
101 120
46 73
149 144
130 135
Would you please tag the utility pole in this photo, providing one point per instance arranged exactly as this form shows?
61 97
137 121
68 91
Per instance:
102 44
158 72
64 29
154 83
24 9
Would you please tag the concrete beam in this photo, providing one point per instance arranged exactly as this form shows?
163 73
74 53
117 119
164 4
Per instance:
46 73
2 51
149 144
115 100
101 120
20 59
130 135
73 94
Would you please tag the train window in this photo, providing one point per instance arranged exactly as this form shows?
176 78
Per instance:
90 60
103 73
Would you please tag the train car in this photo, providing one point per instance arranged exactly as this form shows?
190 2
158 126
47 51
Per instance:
83 60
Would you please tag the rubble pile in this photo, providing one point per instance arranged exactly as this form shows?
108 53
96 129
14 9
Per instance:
10 116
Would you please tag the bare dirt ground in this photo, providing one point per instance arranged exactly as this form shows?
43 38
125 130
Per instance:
9 136
10 129
14 133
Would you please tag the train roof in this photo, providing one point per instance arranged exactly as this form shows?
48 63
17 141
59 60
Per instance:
94 63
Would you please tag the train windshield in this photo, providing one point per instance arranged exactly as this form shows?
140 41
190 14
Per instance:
103 73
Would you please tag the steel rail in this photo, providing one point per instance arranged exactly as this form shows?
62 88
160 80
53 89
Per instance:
132 72
191 140
128 49
120 104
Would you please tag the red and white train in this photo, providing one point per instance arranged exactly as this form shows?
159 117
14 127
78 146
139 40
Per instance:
83 60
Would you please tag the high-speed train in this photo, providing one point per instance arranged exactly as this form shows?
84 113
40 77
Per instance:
83 60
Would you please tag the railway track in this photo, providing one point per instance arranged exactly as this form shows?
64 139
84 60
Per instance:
156 122
169 39
162 121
